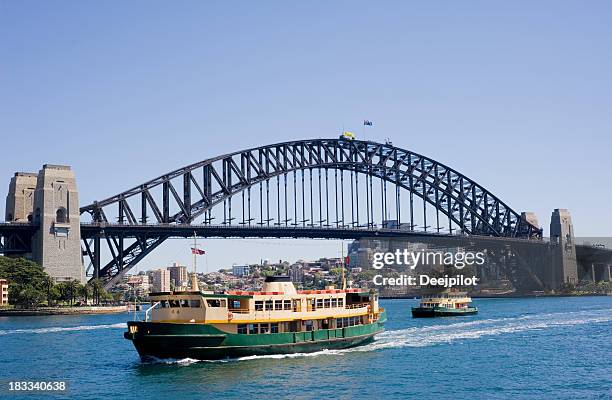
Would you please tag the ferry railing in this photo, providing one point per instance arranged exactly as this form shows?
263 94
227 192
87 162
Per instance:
149 310
356 305
239 310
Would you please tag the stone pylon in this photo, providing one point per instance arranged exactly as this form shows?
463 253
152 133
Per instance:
57 243
20 198
564 265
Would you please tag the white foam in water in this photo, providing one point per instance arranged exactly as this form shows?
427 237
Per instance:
432 335
180 361
63 329
409 337
439 334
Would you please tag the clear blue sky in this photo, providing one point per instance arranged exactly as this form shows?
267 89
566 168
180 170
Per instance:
516 95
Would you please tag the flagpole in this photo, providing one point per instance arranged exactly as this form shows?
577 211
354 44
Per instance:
194 276
343 274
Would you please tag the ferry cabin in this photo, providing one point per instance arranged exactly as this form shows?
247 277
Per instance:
456 301
277 308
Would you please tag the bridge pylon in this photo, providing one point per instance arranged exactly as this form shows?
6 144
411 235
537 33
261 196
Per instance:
56 245
564 263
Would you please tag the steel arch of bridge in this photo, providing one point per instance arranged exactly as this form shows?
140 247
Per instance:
193 191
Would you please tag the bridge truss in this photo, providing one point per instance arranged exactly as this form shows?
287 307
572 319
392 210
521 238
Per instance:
328 184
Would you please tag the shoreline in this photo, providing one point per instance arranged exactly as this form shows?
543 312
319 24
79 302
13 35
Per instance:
63 311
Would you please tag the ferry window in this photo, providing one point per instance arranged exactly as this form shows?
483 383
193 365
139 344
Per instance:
334 302
258 305
264 328
327 303
319 303
215 303
278 305
274 327
235 303
269 305
309 325
194 303
242 328
340 302
287 304
253 329
164 304
339 323
184 303
174 303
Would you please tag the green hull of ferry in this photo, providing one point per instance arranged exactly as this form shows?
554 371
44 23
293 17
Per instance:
431 312
205 342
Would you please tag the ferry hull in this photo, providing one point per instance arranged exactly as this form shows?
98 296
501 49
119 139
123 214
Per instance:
428 312
204 342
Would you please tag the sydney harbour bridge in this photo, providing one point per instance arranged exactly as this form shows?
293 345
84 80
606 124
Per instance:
320 188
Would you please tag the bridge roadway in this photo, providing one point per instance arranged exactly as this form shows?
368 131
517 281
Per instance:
90 230
16 237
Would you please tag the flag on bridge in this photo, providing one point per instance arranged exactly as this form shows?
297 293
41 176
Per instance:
196 251
367 122
347 260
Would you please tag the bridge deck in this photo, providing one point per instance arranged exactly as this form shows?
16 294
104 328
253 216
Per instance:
89 230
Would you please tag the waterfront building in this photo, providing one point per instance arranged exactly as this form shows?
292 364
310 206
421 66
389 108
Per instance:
241 270
4 299
140 284
160 280
178 275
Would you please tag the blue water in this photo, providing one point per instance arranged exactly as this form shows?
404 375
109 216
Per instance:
546 348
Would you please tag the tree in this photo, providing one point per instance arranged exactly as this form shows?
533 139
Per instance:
50 290
29 284
85 291
29 296
117 297
73 288
97 289
69 290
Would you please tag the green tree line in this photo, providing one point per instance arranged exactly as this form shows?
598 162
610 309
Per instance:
30 286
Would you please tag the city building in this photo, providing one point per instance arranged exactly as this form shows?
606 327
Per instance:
178 275
4 292
139 284
160 280
241 270
296 273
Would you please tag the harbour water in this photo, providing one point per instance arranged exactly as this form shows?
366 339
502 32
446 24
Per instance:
538 348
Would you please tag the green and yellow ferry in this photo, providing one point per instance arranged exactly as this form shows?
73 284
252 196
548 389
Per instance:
276 320
446 304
